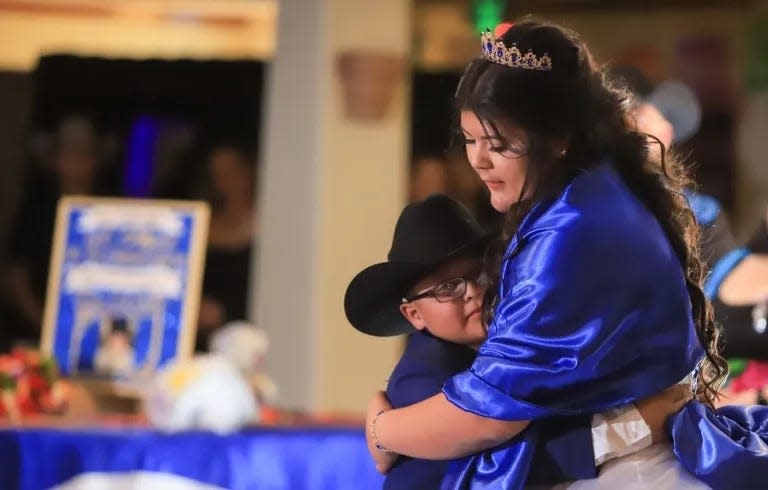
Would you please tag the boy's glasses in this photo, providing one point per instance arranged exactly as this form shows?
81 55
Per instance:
447 291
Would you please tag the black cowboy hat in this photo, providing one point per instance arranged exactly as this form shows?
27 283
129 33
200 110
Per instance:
428 234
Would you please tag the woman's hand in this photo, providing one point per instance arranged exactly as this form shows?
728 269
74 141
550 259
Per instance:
656 409
383 458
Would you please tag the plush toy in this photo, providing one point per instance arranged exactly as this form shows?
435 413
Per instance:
207 392
245 345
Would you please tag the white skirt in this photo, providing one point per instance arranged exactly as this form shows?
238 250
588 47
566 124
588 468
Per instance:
654 467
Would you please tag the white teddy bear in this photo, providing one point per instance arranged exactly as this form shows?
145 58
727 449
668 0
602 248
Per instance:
245 345
206 392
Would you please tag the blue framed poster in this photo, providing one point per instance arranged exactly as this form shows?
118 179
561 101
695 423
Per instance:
124 284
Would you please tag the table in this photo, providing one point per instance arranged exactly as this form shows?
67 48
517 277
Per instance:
279 458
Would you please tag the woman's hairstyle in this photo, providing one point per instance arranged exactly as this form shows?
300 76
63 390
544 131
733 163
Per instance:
570 103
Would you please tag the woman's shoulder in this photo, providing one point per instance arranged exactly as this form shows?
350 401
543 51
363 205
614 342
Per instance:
424 346
596 220
596 202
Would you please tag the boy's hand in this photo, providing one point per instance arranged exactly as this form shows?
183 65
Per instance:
383 459
656 409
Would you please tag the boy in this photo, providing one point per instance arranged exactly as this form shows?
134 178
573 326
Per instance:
432 283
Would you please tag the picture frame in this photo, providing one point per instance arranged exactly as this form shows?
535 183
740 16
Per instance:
124 284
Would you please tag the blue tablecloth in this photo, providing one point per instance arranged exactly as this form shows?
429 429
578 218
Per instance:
256 459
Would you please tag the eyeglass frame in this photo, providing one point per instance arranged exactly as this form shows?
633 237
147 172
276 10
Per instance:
431 291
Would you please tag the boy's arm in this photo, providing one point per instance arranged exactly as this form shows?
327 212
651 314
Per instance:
571 448
564 451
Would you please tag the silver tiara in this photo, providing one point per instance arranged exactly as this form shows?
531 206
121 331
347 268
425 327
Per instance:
496 51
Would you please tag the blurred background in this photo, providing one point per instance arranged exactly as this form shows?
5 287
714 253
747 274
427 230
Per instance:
307 126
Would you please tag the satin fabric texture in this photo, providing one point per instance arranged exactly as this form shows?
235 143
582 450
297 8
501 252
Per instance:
254 459
593 313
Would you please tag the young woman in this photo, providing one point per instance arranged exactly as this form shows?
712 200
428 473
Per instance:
598 299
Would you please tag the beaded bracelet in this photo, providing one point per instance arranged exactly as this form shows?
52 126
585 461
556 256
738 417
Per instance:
373 434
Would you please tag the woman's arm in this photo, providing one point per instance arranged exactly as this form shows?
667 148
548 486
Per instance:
469 433
433 429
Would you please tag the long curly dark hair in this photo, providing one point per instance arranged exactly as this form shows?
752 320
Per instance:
574 102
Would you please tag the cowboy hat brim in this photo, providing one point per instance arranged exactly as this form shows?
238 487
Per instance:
373 298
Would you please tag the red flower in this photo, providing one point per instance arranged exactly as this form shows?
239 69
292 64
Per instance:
29 384
754 377
11 366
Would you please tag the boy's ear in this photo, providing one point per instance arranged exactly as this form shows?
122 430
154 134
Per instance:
412 314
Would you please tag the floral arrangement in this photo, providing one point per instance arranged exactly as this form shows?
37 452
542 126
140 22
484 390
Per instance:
30 384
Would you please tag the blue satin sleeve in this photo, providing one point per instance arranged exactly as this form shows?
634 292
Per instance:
726 448
577 327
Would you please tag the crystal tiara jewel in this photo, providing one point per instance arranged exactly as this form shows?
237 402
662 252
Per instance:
496 51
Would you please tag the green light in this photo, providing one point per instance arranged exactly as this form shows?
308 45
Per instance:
488 13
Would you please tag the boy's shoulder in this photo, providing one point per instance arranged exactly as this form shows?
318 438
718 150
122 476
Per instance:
425 365
425 346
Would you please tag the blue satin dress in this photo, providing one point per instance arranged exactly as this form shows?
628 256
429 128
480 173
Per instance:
594 313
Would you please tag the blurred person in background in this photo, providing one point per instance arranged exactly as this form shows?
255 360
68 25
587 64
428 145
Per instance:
448 173
231 176
429 175
737 283
71 168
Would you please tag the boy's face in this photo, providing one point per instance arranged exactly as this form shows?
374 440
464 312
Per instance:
458 320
